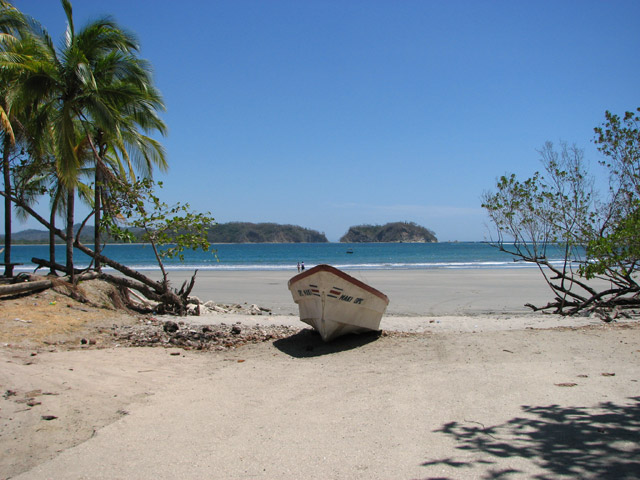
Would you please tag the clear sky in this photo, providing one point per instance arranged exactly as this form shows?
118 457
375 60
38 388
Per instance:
332 113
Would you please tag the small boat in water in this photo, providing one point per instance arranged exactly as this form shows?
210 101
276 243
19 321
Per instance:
335 303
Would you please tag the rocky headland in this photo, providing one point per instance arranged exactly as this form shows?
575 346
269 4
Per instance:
398 232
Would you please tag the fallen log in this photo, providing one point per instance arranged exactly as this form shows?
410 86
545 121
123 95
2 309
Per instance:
167 302
57 266
128 272
24 287
145 302
33 283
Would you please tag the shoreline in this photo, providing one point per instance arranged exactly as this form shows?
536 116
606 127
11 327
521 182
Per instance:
283 257
436 292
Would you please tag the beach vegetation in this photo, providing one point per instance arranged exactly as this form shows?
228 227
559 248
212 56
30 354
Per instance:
168 229
13 29
78 122
585 241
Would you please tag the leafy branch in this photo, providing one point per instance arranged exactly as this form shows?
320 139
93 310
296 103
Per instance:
170 230
557 211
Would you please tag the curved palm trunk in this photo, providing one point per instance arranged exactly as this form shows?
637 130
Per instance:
52 243
52 232
70 236
97 218
8 268
97 202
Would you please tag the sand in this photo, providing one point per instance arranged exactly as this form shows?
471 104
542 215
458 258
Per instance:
411 292
465 383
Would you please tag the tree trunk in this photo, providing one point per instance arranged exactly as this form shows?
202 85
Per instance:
52 243
97 216
158 291
8 268
41 262
99 189
23 287
161 291
129 272
171 301
70 217
52 232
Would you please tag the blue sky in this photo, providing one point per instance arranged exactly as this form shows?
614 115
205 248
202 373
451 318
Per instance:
332 113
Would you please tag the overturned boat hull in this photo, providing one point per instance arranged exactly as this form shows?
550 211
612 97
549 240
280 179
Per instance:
335 303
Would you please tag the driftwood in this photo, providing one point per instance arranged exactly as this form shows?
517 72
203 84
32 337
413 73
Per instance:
171 301
33 283
573 294
143 302
57 266
24 287
167 300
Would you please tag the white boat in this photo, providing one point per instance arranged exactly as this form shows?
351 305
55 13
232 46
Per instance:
335 303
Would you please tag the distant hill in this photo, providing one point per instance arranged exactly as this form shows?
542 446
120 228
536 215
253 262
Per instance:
42 236
234 232
29 236
405 232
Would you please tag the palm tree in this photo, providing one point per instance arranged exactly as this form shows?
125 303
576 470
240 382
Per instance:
94 87
17 35
135 103
86 86
12 24
8 143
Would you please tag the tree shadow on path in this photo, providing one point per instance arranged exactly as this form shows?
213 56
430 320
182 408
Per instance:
601 442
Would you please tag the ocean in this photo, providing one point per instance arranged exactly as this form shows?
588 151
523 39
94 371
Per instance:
256 257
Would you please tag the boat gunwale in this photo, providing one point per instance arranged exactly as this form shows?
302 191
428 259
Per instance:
338 273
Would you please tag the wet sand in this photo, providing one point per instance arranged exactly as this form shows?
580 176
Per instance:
411 292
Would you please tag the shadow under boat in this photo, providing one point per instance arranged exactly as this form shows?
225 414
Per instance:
308 343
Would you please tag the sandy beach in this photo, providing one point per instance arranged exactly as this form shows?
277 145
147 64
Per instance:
411 292
464 382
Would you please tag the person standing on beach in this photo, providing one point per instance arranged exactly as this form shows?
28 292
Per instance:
302 266
298 267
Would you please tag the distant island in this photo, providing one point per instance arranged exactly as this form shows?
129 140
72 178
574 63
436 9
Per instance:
395 232
246 232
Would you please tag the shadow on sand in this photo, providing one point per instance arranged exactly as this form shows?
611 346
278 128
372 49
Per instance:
564 442
308 343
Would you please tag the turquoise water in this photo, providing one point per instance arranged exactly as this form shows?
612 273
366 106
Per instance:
470 255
